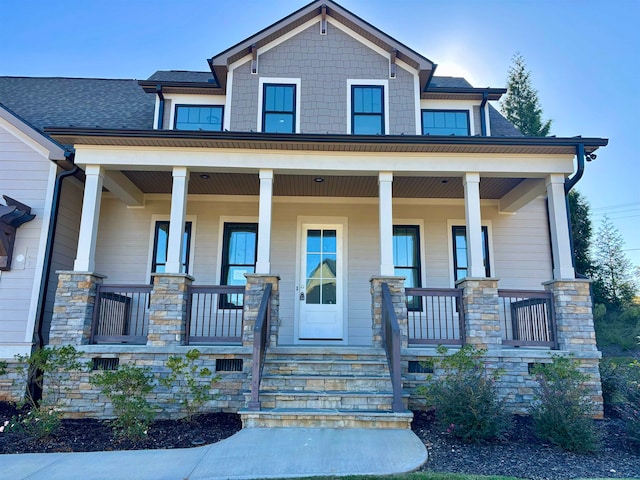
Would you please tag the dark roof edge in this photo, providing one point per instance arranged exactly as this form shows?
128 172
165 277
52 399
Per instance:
66 151
334 138
150 85
489 90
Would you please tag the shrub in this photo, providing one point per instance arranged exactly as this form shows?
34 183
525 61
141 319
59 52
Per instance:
465 397
3 367
127 388
190 382
43 417
562 410
626 400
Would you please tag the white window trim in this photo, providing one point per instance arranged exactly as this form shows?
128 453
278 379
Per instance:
286 81
362 82
463 223
227 219
192 247
194 101
421 234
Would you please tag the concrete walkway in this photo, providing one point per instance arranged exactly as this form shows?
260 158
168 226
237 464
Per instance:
251 453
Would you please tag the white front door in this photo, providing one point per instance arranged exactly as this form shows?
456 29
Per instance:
320 290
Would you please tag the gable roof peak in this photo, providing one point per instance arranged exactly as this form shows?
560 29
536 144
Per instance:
219 63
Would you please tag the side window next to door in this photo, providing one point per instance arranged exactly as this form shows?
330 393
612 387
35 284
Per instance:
406 259
460 267
161 245
239 251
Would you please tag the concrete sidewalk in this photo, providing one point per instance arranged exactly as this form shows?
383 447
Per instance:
251 453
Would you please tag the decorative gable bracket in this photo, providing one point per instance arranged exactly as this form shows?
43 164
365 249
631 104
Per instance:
12 216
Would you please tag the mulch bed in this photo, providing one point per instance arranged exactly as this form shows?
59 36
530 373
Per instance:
519 454
90 435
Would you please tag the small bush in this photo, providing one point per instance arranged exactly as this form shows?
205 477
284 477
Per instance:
562 410
43 417
193 383
465 398
127 388
3 368
625 400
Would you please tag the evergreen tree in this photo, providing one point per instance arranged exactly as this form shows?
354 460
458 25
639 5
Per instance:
520 105
581 232
614 284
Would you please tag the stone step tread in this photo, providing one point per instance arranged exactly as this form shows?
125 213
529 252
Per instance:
327 393
327 411
326 350
328 376
306 360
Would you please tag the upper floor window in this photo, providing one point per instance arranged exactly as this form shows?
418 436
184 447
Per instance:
460 264
445 122
161 246
199 117
367 109
278 108
406 259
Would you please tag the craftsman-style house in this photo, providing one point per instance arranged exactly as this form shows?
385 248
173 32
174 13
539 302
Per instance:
316 214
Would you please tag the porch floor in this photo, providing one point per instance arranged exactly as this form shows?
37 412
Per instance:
300 452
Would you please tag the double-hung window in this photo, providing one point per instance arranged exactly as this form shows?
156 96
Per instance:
161 246
367 109
199 117
239 251
278 108
445 122
460 264
406 258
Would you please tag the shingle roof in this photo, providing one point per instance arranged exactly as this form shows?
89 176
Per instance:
500 126
81 102
449 82
181 76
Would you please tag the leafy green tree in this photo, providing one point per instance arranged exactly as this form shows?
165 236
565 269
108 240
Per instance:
521 105
581 232
614 283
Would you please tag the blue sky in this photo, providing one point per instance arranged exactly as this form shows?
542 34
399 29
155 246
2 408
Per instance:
584 57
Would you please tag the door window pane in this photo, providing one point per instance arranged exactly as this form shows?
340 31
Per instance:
321 283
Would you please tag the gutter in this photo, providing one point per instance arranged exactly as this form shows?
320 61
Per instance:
160 125
483 119
48 252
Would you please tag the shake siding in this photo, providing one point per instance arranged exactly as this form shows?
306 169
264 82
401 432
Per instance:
520 247
24 175
312 58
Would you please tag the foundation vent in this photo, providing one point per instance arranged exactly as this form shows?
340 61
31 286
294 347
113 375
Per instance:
228 364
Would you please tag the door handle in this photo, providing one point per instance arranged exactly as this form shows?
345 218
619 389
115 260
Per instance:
302 297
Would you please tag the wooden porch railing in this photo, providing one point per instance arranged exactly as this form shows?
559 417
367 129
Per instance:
260 344
214 314
435 316
527 318
120 314
391 343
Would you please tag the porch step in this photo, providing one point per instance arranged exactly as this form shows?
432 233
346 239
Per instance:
337 387
325 418
331 399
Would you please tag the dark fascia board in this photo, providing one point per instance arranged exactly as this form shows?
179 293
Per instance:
590 143
492 93
150 86
219 63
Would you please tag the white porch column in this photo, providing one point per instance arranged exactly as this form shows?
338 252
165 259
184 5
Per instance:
85 259
263 262
179 192
474 225
385 182
561 245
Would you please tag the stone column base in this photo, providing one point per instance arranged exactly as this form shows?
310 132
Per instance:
399 300
168 309
481 312
252 298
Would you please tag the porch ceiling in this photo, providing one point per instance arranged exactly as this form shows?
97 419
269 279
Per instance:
332 186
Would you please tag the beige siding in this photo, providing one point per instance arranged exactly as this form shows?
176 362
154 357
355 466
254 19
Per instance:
65 244
520 246
24 176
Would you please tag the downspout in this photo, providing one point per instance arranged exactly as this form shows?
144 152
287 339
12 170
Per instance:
483 120
160 124
48 252
569 183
